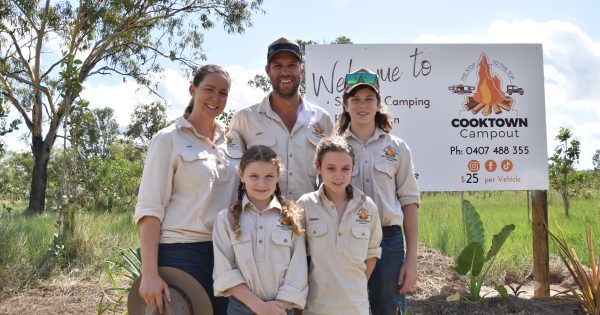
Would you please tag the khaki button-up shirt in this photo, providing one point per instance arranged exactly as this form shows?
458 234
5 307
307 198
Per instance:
268 256
259 124
183 174
338 248
384 171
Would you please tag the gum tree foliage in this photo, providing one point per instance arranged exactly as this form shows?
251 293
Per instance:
48 49
4 127
596 160
92 130
261 81
562 173
146 120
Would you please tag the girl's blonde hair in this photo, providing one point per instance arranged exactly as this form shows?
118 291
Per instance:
289 210
383 118
335 144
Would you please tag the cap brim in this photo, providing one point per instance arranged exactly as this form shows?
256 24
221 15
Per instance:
174 278
348 90
282 50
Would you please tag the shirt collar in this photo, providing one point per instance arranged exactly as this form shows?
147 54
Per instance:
376 134
273 205
183 123
357 195
307 114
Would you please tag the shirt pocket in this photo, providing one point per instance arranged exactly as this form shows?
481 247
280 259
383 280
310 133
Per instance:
197 166
281 247
359 243
262 139
317 238
233 155
242 247
384 173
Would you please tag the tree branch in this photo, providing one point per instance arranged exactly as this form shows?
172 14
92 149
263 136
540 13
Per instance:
24 61
8 93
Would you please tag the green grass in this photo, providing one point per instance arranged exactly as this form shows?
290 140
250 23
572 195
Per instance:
24 240
440 226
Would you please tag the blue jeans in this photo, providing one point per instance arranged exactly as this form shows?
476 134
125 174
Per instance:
384 297
197 260
236 307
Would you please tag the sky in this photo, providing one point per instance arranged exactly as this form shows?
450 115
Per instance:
569 32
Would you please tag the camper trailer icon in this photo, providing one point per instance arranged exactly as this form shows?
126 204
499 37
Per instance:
461 89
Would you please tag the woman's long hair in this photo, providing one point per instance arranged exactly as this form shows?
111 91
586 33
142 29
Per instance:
290 211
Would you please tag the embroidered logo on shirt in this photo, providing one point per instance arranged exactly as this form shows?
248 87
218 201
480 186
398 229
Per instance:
363 216
318 130
390 153
229 141
313 219
284 223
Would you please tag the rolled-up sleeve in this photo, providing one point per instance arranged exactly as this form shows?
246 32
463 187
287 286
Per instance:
157 179
295 283
226 274
407 189
376 232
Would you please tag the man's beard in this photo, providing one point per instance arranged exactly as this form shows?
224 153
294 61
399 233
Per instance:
286 94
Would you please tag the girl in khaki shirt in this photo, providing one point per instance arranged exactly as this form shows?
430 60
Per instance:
384 172
259 247
343 234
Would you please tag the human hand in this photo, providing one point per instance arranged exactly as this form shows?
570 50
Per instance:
271 308
152 287
408 275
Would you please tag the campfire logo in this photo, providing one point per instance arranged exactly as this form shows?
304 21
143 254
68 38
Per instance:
362 216
284 223
319 131
390 153
488 95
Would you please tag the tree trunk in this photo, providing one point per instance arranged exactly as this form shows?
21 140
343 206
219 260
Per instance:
565 195
39 176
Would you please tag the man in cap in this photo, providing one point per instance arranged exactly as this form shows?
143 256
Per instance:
285 121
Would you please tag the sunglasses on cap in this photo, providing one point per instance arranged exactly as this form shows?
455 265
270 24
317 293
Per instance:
361 77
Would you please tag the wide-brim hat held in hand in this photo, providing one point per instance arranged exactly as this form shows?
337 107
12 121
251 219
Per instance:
188 297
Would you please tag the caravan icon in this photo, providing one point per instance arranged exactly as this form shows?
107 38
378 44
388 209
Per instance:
461 89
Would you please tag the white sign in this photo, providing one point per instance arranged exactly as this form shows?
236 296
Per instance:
473 115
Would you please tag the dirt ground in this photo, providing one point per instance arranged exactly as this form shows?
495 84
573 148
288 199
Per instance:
436 283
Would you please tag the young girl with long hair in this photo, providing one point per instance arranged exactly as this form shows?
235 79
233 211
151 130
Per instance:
343 235
385 173
259 247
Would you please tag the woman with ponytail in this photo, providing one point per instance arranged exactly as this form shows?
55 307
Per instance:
259 248
189 175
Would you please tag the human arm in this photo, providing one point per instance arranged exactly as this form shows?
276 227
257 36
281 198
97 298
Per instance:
374 251
152 285
370 263
294 289
153 197
408 272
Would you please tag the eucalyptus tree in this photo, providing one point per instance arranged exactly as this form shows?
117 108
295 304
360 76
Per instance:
48 49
